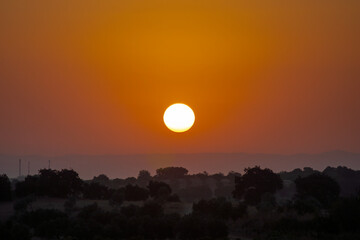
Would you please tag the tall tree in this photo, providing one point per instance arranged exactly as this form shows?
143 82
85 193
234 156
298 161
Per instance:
5 188
319 186
255 183
143 178
159 189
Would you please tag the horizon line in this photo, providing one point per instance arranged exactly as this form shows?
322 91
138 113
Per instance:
194 153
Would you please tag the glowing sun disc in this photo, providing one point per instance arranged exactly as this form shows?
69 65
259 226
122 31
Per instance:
179 117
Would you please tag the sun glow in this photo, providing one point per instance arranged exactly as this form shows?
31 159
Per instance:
179 117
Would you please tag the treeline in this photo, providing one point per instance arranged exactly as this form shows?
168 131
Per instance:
66 183
348 179
189 187
252 208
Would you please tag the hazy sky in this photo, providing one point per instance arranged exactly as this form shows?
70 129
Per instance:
94 77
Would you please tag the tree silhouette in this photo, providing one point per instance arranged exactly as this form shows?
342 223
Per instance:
5 188
159 189
256 182
319 186
143 178
27 187
135 193
144 175
69 183
50 183
102 179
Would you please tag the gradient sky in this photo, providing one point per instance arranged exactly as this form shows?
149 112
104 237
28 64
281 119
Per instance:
95 77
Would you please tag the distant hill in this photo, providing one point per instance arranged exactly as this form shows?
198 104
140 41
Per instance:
123 166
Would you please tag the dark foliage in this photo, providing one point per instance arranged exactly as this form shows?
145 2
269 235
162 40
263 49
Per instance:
130 211
348 180
14 231
130 180
341 223
135 193
69 183
95 190
151 209
143 178
22 204
117 197
50 183
159 189
345 215
27 187
210 218
69 205
48 223
173 198
102 178
199 227
256 182
5 188
319 186
224 191
219 208
195 193
171 172
294 174
307 205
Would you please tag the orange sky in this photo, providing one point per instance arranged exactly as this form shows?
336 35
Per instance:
94 77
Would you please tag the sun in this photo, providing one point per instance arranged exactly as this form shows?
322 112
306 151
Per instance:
179 117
